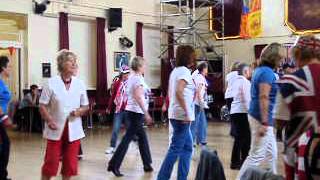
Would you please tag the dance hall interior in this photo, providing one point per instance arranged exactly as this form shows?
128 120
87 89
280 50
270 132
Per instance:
159 90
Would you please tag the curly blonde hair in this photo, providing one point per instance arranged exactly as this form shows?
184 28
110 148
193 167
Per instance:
63 56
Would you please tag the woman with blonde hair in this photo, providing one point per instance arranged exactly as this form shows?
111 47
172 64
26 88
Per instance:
136 111
263 150
62 103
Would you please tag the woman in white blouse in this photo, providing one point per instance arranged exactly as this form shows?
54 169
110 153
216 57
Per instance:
62 103
181 114
199 126
239 116
136 112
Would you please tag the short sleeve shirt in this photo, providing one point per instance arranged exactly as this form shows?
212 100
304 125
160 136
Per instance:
134 81
175 110
5 96
261 75
60 102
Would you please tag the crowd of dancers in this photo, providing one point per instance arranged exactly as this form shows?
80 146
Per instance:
258 100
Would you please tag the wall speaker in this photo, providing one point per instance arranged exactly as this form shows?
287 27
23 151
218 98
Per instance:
115 18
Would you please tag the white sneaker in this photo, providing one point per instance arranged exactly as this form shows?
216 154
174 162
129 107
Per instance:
110 150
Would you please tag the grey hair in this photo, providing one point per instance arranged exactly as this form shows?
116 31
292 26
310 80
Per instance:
136 62
235 66
63 56
242 67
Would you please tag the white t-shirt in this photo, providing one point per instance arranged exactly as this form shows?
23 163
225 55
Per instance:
175 110
200 80
134 81
242 96
60 102
230 78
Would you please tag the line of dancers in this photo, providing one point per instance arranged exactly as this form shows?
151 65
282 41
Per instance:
256 106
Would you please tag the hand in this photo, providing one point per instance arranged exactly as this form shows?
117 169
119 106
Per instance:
8 123
52 125
75 113
262 130
107 111
164 108
148 119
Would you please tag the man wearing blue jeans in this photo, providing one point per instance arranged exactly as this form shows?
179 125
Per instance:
119 98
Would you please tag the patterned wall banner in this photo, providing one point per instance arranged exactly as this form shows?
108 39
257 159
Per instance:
251 25
302 16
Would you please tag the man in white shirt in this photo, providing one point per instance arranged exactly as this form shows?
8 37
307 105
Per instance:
239 116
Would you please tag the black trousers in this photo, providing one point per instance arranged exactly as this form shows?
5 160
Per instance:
4 152
228 102
242 139
135 129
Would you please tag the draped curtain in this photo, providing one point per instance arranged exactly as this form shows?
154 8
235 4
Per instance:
102 86
139 40
63 31
166 67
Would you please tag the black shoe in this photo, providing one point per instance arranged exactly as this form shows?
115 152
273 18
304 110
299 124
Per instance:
148 168
115 171
235 166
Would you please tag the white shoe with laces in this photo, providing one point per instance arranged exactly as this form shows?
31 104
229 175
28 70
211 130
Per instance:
110 150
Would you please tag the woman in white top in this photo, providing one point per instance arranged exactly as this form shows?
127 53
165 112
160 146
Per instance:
62 103
136 112
181 114
239 116
199 126
231 76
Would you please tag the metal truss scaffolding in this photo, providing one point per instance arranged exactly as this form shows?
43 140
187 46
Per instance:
191 20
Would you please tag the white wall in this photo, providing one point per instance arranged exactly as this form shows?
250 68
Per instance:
83 43
151 45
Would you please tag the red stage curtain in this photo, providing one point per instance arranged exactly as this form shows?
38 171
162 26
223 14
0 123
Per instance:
102 86
139 41
166 67
232 18
63 31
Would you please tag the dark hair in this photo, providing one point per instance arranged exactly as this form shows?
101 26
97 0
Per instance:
241 68
202 66
33 86
4 60
183 57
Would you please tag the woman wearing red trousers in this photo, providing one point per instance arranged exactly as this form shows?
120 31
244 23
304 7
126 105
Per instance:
62 103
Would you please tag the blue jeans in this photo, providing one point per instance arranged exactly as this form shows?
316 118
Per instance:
117 121
180 149
199 126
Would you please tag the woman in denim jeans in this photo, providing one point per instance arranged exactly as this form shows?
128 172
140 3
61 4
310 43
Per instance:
119 98
181 114
199 126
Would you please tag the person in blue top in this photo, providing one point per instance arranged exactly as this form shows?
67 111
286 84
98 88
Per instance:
263 150
5 97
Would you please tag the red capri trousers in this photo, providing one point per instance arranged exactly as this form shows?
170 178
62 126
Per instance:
69 152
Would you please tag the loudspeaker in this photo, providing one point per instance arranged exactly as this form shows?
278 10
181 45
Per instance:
115 18
39 8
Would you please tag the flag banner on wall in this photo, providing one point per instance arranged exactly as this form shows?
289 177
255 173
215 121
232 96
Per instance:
303 16
251 25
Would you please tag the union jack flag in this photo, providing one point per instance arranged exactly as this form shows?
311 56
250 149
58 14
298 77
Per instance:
301 93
